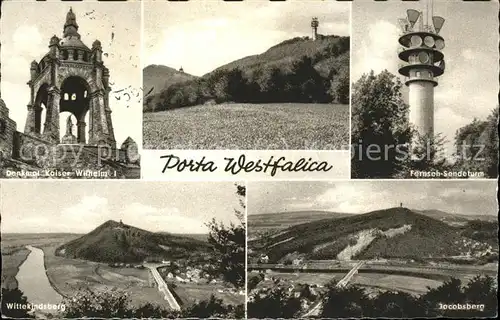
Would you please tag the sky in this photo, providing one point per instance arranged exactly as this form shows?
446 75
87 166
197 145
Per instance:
27 27
202 35
358 196
81 206
469 86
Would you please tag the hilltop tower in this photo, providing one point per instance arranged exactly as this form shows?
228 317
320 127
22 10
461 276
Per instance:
181 70
423 62
70 77
314 27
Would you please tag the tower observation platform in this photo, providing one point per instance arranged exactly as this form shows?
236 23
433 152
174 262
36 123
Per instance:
423 61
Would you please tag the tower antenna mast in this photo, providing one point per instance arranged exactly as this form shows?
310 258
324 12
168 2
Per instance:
426 13
423 62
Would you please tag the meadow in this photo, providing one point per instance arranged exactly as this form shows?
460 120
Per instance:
190 293
413 285
287 126
67 276
14 252
320 279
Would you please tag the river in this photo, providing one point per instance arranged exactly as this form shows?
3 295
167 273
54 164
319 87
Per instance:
33 281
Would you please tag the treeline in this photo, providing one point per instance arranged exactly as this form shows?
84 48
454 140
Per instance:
269 84
116 304
355 302
385 145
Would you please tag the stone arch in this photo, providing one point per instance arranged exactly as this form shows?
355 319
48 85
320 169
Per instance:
40 106
78 104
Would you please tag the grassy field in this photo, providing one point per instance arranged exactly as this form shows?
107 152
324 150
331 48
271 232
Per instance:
67 276
249 126
14 252
191 293
273 223
395 282
11 261
70 275
319 279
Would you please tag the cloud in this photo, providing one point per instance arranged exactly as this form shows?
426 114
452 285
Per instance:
86 210
166 219
202 37
377 50
27 39
353 198
471 197
24 40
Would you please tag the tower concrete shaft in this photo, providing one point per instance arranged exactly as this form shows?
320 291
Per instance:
421 99
423 62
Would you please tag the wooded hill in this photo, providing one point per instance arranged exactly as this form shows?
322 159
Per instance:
296 70
117 242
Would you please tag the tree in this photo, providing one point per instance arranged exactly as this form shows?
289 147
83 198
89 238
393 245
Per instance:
339 87
228 243
116 304
381 131
254 281
482 290
271 82
396 305
450 292
236 86
212 307
426 154
276 304
218 84
151 311
11 298
345 302
476 146
98 304
305 83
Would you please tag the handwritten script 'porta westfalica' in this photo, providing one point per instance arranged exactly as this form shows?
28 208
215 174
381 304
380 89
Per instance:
241 164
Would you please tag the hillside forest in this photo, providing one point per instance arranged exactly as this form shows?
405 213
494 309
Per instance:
297 70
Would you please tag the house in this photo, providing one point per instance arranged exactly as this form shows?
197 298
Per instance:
264 259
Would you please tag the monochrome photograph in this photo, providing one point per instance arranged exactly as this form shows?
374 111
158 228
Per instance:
71 90
372 249
424 90
123 249
256 75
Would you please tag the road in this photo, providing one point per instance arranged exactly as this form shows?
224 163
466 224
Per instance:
163 287
316 308
345 280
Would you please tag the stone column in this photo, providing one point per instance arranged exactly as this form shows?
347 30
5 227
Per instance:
99 127
51 129
29 126
38 119
80 127
111 131
97 121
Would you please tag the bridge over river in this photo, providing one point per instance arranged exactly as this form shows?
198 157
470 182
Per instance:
163 287
316 308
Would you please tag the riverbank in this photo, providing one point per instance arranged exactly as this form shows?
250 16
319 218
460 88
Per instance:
51 281
12 259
